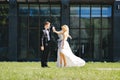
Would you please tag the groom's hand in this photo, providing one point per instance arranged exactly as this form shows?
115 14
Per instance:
42 48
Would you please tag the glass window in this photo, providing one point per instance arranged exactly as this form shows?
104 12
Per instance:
34 10
85 16
85 33
33 21
4 25
96 16
106 16
75 39
106 11
44 10
33 44
34 15
106 44
97 46
106 23
23 10
95 11
44 14
23 37
55 10
85 11
55 16
4 8
74 16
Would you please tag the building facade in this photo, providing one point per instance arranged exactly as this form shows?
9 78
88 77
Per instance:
94 27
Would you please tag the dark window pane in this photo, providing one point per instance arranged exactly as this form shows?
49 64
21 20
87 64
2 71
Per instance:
74 16
23 38
85 33
85 23
75 39
55 16
33 44
32 0
106 45
34 10
23 10
33 21
4 8
96 23
4 15
106 23
44 10
55 10
97 46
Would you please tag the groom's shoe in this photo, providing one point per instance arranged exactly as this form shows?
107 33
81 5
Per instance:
47 66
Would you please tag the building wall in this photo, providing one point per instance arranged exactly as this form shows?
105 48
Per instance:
116 32
15 30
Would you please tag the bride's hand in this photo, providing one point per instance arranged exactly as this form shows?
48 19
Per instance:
53 28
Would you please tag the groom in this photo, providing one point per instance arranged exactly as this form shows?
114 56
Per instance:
45 44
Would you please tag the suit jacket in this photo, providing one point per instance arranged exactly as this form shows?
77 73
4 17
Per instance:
44 38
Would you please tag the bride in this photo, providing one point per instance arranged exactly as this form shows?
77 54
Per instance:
65 56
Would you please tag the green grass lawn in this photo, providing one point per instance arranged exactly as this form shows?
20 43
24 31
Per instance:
33 71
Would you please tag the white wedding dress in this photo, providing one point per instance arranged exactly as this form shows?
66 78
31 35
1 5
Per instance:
71 59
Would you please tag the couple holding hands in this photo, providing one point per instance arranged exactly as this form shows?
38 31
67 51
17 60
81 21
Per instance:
65 56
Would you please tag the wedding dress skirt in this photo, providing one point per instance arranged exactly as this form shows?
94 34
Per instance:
71 59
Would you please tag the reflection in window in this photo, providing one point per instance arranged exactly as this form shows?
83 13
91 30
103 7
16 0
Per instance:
90 22
55 15
33 44
4 25
75 37
106 16
33 15
34 10
106 11
106 44
85 16
74 16
23 10
95 15
22 38
85 33
95 11
85 11
97 49
106 23
55 10
44 10
4 8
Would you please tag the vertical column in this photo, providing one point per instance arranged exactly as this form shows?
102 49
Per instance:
65 12
116 31
12 51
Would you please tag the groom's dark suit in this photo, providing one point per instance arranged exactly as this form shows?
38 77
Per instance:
46 42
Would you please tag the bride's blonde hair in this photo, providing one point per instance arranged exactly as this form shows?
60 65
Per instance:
66 30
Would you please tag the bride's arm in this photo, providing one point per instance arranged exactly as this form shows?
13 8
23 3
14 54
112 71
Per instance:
57 32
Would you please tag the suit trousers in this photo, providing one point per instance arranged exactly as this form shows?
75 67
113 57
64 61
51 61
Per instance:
45 54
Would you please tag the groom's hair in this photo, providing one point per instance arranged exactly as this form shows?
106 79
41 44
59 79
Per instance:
46 23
